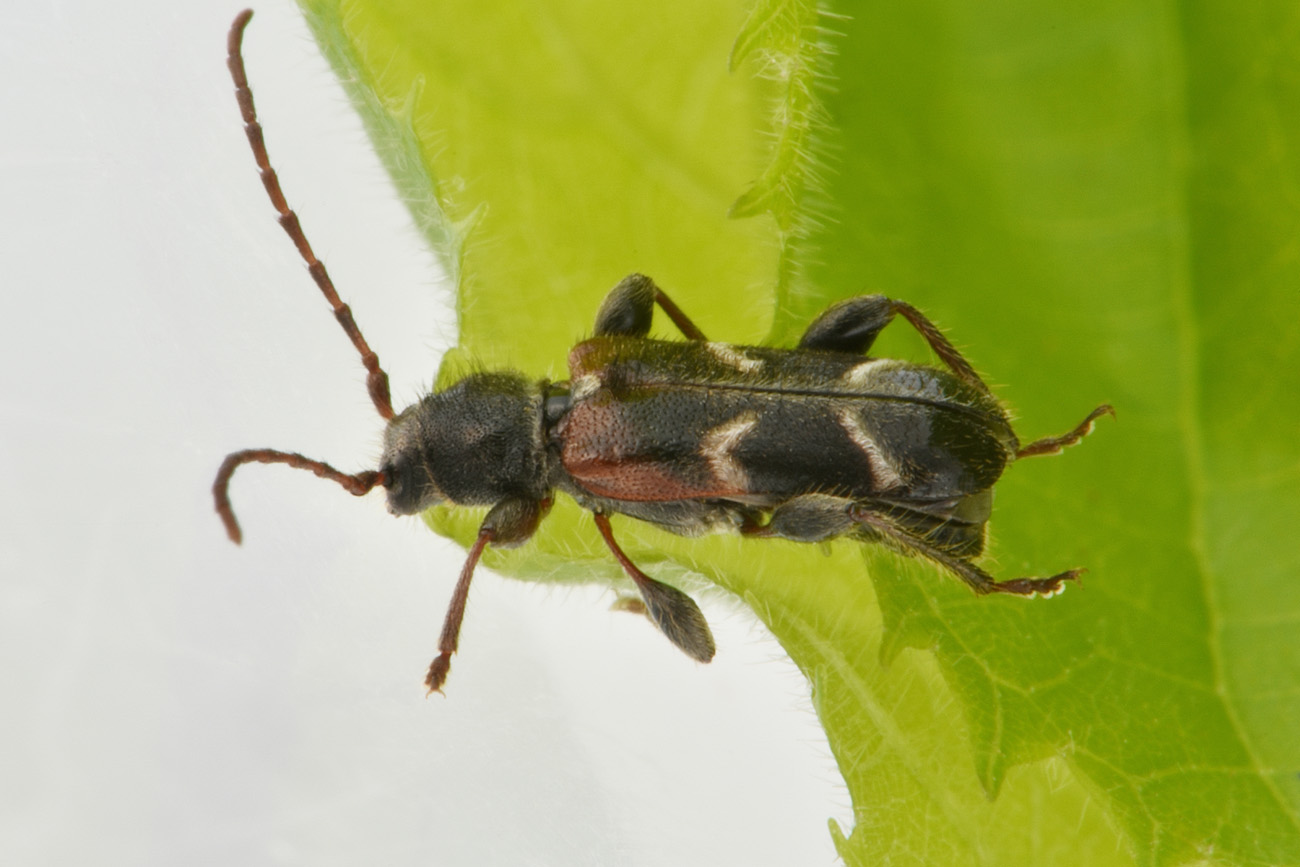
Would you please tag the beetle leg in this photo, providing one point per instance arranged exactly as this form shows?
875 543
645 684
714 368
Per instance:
509 523
683 322
1054 445
629 604
942 348
675 613
629 307
975 577
450 637
806 518
852 326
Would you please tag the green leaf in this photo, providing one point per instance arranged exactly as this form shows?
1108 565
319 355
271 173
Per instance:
1101 203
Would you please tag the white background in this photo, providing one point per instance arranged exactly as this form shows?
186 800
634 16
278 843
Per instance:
170 698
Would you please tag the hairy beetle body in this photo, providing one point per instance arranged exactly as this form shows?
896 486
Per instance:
473 444
658 420
808 443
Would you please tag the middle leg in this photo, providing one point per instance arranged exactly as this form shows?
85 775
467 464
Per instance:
675 613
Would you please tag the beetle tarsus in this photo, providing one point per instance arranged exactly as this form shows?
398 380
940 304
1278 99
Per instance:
1055 445
437 675
898 537
629 605
450 637
1045 587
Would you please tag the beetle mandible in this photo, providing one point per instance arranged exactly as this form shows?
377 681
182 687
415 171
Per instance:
808 444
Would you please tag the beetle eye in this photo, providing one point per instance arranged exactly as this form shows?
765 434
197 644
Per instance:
408 487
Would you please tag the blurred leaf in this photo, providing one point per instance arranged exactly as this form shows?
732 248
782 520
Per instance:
1100 201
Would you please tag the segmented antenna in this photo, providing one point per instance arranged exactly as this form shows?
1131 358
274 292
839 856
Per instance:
376 379
355 483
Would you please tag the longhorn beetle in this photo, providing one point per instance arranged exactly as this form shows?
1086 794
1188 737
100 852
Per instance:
692 436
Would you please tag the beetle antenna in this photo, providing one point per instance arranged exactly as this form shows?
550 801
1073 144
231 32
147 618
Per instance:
355 483
376 379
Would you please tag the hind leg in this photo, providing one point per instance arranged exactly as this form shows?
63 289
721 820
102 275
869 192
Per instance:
807 518
1055 445
852 326
975 577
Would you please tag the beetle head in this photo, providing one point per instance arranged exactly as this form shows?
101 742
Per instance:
472 444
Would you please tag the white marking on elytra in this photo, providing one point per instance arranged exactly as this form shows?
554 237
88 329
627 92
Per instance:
733 357
859 375
718 446
885 474
584 386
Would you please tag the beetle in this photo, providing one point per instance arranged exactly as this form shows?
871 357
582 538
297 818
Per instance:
808 444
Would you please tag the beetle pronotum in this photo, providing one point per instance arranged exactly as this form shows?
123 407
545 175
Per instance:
807 444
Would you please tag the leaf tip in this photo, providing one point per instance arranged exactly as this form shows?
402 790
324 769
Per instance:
840 839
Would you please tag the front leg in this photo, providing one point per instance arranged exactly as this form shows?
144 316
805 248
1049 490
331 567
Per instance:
509 523
629 307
